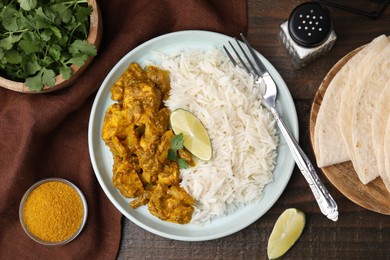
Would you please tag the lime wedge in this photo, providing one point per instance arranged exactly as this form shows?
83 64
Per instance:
196 139
286 231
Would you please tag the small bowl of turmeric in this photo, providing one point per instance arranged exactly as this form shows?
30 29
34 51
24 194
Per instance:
53 211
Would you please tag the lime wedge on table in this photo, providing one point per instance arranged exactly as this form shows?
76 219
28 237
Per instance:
196 139
286 231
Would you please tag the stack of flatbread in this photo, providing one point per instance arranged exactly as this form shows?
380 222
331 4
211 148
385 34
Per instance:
353 122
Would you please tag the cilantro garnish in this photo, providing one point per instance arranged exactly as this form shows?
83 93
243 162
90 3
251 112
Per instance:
41 39
177 143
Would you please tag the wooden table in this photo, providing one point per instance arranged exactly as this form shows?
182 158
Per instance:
358 233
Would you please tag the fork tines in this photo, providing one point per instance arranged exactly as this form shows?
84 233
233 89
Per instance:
248 59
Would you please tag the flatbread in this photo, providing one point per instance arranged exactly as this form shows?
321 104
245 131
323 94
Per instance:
366 99
351 88
328 144
327 136
386 147
378 131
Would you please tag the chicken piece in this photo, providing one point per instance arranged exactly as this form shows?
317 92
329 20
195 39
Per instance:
126 178
177 192
162 120
164 145
153 154
135 74
161 78
117 88
117 91
149 165
119 133
155 127
115 131
116 120
141 98
170 174
117 148
171 203
142 199
132 75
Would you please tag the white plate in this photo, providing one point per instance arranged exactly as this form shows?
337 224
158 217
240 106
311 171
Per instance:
102 159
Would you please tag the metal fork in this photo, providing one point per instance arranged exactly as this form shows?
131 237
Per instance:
251 62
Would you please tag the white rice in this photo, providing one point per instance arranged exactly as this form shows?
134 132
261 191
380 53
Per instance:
242 132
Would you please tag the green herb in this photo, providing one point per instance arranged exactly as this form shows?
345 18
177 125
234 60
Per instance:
40 39
183 164
177 143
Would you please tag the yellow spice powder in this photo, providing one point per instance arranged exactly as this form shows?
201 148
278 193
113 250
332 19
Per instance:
53 211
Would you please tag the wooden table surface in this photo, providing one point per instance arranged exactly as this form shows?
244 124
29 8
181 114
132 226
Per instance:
358 233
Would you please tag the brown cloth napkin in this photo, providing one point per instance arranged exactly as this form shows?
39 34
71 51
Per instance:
46 135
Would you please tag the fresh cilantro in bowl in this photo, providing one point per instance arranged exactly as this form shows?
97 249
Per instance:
40 39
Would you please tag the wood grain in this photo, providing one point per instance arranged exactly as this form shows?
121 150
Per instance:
373 196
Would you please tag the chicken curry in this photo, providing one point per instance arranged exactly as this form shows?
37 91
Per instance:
136 129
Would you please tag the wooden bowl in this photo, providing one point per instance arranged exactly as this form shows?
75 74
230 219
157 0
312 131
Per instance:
94 37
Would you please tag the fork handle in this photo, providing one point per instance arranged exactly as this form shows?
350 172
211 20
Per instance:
325 201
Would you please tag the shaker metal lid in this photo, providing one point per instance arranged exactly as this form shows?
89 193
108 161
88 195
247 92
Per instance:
310 24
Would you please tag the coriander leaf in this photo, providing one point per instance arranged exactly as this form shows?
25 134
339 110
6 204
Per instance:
31 36
9 17
34 83
29 46
183 163
177 142
28 21
62 11
1 55
27 4
82 13
32 67
47 61
48 77
41 16
79 60
46 34
63 42
8 43
172 155
55 51
66 72
56 32
51 15
82 46
13 57
41 20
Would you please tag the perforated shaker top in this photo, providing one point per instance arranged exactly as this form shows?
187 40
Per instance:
310 24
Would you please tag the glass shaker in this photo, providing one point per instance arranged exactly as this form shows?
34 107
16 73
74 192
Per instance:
308 33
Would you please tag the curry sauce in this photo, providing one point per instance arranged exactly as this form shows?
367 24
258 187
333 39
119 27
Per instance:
136 129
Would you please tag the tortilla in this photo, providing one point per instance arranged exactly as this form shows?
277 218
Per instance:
386 147
366 100
378 130
329 144
354 82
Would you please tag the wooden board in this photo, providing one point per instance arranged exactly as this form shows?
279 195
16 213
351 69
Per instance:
373 196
